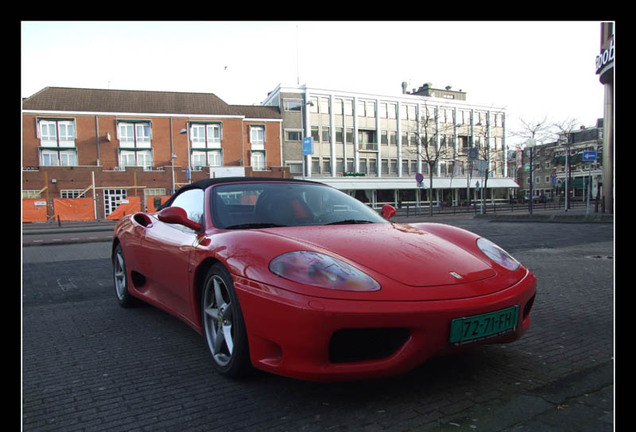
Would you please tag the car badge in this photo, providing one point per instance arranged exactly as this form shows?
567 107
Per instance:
456 275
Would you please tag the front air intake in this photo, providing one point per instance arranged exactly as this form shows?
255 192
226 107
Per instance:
354 345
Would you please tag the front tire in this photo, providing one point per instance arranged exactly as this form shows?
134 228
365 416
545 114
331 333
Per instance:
120 279
223 324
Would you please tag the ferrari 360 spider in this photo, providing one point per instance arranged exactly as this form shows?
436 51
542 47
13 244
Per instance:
299 279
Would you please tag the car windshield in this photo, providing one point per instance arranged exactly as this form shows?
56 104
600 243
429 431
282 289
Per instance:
277 204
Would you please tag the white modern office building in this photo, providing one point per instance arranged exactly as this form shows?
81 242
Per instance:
375 146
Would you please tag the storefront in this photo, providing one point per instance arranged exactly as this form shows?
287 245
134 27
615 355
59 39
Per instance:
407 192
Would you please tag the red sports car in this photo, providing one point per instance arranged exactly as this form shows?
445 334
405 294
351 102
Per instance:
299 279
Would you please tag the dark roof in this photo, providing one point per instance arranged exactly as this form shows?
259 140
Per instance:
259 111
137 101
205 183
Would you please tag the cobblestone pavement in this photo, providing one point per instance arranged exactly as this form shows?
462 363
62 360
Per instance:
89 365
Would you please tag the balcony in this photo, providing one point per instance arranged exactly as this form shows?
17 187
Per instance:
368 146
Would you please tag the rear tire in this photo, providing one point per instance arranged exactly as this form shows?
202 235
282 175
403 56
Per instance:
223 324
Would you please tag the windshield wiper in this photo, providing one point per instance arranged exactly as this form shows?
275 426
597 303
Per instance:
350 222
254 225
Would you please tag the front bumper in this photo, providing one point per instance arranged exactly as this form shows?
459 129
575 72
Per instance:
328 340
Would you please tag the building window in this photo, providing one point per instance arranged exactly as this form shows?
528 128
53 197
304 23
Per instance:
29 194
71 193
338 105
293 135
112 199
208 158
292 104
393 137
258 160
141 158
371 109
58 157
57 133
326 166
362 110
391 111
367 140
205 135
323 103
315 133
363 166
339 134
295 168
134 134
349 135
348 107
135 144
411 112
326 135
340 166
257 137
57 142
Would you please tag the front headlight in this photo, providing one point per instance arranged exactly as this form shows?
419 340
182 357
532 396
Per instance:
497 254
323 271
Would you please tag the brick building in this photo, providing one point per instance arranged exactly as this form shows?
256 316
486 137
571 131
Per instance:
112 145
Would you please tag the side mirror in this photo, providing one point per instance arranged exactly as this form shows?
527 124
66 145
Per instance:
177 215
388 211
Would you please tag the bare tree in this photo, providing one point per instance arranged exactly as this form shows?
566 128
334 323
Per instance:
484 156
538 130
542 132
430 150
564 131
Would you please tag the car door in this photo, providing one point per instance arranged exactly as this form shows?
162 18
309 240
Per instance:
168 248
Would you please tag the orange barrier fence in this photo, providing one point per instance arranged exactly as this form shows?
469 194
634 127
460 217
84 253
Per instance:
73 209
34 210
81 209
128 206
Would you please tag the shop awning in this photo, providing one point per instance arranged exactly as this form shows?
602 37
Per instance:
375 183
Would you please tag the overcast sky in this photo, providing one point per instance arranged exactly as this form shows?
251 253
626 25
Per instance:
532 69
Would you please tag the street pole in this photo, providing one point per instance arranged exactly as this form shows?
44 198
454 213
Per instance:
530 144
589 191
303 112
531 183
567 177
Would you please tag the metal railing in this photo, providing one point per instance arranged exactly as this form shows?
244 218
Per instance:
477 207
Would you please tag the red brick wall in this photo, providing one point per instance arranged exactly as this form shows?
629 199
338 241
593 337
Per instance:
98 141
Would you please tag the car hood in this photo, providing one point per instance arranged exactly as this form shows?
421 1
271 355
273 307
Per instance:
403 253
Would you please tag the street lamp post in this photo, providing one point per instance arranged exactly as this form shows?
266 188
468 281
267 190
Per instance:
186 131
530 144
564 141
306 160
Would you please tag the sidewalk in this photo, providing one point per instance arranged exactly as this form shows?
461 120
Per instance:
43 233
574 215
78 226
